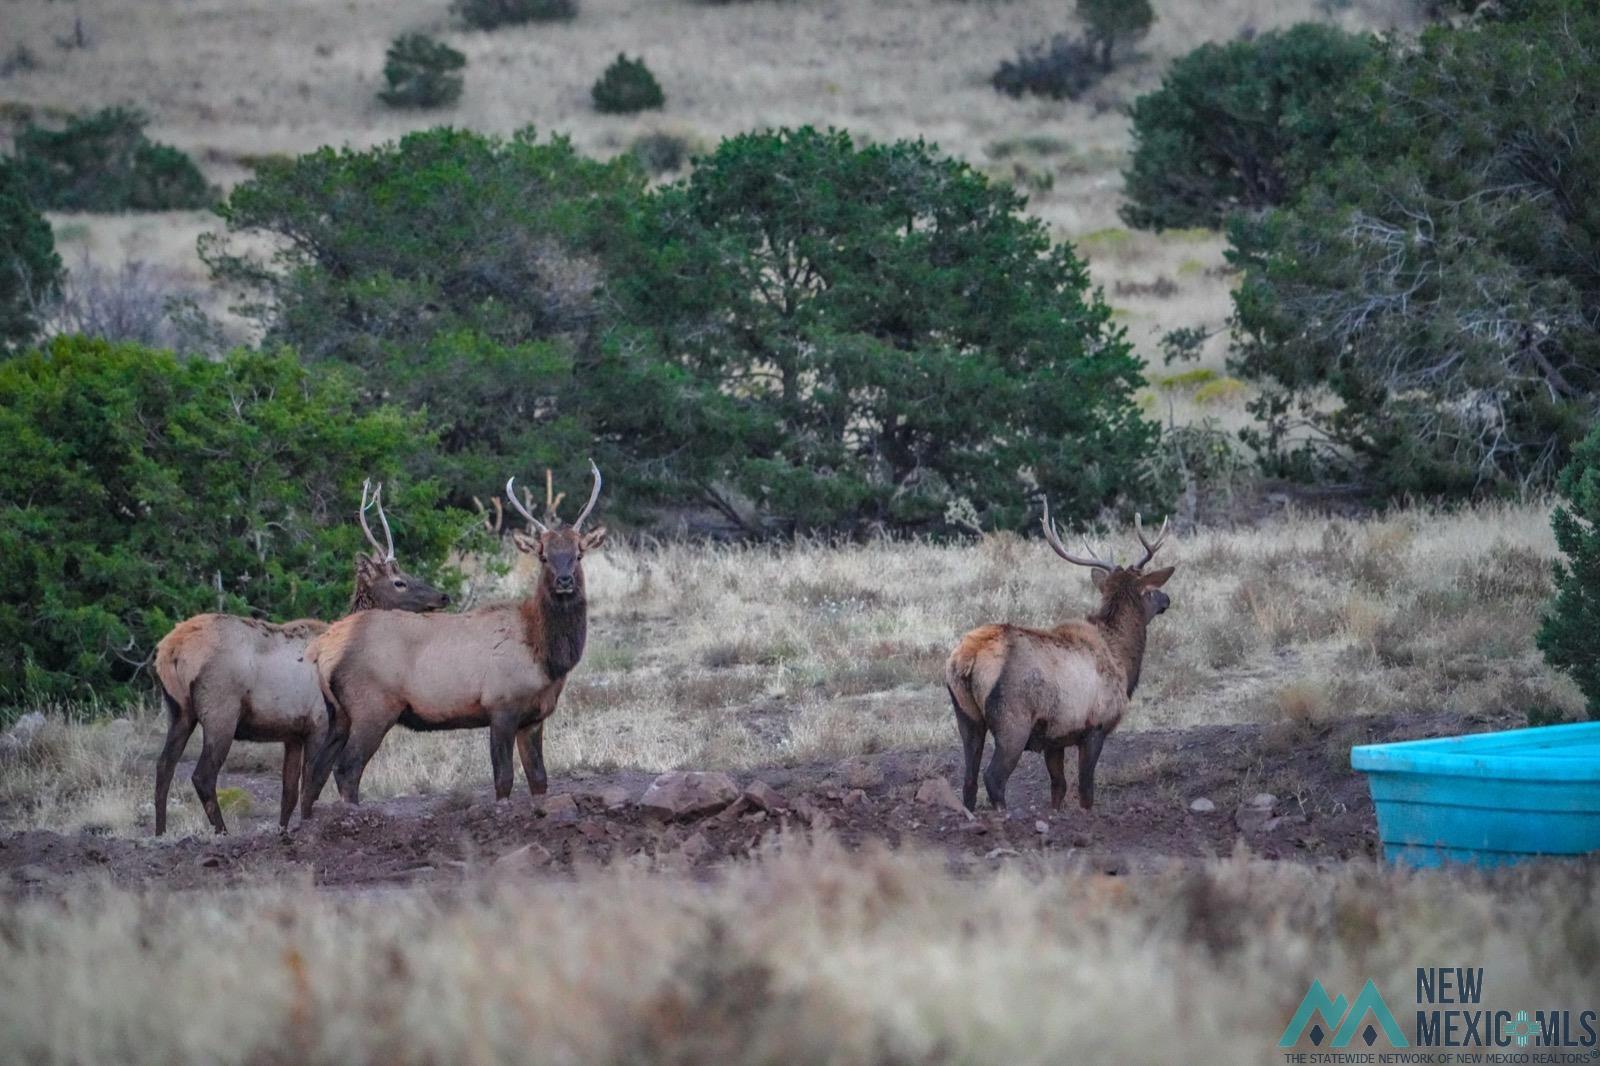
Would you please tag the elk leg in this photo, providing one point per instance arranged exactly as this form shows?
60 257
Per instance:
1088 755
1008 748
1055 760
502 733
321 768
212 754
294 757
180 725
973 735
357 752
530 748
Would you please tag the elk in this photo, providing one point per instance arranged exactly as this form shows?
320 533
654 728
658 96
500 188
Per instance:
1047 689
502 666
245 679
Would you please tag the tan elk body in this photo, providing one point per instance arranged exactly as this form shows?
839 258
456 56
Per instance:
1049 689
246 679
501 667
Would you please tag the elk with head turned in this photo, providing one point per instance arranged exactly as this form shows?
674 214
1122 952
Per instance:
245 679
1049 689
502 666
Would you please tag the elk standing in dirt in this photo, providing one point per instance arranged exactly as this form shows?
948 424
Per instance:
501 666
1046 689
245 679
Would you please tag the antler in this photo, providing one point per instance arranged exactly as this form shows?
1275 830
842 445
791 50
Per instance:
1054 538
1149 549
593 496
386 554
511 495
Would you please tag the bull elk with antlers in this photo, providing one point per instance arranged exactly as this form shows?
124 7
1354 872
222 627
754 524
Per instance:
1047 689
501 666
245 679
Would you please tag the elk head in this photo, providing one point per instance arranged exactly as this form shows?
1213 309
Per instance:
1120 584
380 583
560 549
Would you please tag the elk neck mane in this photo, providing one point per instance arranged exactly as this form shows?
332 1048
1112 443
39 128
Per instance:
1122 623
555 628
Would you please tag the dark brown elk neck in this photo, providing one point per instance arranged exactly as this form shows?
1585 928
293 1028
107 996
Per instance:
556 628
1121 618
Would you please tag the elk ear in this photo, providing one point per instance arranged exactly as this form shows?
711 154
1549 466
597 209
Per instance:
1157 579
366 567
593 539
1097 577
525 543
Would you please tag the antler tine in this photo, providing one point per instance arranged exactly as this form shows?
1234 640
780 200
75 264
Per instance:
362 515
1149 549
511 497
377 498
593 496
1054 540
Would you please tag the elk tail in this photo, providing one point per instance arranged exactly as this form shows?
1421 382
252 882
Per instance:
958 679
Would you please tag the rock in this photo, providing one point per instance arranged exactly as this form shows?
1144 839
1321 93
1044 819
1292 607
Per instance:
1041 827
592 829
695 848
212 861
855 798
998 853
860 772
526 857
688 794
1202 806
1288 819
31 874
764 796
755 816
936 792
1264 800
1254 814
613 796
23 730
552 804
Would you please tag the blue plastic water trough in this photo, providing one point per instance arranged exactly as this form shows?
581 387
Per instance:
1489 798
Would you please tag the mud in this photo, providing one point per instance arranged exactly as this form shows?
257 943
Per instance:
1142 817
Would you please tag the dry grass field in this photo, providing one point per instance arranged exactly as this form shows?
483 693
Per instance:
735 658
807 954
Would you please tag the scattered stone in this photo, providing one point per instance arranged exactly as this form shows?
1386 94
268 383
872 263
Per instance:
556 803
762 795
695 848
1286 819
855 798
861 772
24 728
211 861
1041 827
936 792
755 816
31 874
996 853
525 857
613 796
592 829
688 794
1264 800
1202 806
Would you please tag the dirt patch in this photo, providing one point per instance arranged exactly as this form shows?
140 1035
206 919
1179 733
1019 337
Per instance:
1143 817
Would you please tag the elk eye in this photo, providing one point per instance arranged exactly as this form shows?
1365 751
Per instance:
399 584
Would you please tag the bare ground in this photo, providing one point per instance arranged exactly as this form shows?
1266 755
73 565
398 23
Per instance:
1142 819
